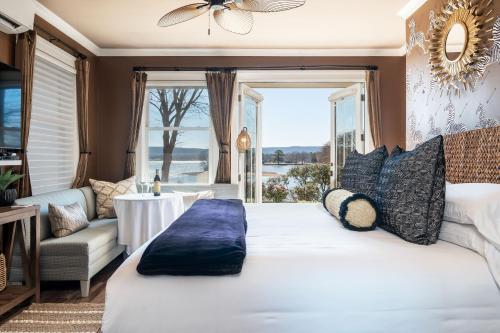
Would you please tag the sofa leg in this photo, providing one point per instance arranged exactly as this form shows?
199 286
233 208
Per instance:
84 287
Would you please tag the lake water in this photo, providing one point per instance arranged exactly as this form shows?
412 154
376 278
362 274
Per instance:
182 172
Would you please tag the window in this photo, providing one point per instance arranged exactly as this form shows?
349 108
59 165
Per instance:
53 139
177 136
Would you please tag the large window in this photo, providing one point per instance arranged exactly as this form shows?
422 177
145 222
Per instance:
53 139
177 137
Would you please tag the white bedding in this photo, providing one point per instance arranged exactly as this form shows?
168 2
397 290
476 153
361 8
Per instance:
305 273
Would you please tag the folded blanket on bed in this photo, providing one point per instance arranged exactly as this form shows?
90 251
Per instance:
208 239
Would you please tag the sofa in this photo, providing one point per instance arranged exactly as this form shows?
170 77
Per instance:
78 256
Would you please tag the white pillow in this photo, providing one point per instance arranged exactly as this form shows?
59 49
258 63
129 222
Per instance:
466 235
477 204
191 197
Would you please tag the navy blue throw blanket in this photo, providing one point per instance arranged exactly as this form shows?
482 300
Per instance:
208 239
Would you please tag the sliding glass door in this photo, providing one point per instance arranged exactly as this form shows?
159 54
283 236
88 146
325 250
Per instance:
347 127
251 161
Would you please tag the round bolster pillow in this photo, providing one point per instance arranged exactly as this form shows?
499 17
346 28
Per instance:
355 211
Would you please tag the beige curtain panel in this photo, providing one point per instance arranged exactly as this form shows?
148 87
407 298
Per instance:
374 106
220 91
25 60
138 91
82 107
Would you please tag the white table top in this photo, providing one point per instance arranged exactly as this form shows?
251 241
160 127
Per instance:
145 196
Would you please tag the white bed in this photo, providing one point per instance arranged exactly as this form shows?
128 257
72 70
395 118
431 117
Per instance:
305 273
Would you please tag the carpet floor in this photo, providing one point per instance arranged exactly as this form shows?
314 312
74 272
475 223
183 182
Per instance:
57 317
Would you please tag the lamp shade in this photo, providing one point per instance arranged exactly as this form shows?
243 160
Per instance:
243 142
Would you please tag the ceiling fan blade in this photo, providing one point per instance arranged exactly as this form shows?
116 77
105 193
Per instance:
234 19
269 5
183 14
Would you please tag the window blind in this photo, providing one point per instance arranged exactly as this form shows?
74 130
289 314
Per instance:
52 144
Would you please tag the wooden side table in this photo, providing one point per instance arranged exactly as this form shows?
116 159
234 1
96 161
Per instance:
11 218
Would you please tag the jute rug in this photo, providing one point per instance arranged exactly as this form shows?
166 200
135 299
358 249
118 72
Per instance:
57 318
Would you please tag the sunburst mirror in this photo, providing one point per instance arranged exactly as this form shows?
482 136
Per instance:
459 43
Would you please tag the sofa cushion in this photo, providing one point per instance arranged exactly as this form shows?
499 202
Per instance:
90 196
64 197
82 243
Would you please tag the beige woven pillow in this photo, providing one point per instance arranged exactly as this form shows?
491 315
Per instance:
106 191
65 220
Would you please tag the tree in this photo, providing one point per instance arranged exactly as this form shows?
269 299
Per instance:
312 181
324 154
275 189
173 104
278 155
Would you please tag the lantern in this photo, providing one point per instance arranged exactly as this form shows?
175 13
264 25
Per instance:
243 142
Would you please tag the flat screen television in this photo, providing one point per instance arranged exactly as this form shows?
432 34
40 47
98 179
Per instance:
10 107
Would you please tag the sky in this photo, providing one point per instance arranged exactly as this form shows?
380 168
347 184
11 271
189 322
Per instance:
295 116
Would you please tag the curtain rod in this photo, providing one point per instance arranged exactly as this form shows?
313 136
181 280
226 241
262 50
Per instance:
278 67
54 40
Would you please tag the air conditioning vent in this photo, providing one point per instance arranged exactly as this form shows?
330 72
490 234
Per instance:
7 24
16 16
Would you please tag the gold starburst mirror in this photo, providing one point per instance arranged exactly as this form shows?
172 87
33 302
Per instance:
459 43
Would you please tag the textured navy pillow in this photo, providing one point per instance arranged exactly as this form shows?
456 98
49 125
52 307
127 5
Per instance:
361 172
410 192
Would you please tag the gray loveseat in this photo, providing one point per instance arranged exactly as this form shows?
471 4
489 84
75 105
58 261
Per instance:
75 257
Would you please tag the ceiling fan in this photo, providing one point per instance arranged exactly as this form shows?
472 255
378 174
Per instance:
231 15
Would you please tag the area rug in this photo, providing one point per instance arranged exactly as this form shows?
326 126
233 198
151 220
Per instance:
57 318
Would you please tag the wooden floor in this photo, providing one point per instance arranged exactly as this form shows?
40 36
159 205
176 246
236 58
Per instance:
69 292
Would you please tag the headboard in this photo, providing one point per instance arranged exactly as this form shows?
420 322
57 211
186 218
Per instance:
473 156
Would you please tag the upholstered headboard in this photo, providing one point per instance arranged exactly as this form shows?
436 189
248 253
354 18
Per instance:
473 156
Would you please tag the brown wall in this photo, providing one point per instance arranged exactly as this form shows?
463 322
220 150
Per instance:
113 96
430 112
109 104
7 45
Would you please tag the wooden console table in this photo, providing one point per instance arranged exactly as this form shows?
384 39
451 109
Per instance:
11 220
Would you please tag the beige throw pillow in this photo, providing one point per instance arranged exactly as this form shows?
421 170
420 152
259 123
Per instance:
65 220
189 198
106 191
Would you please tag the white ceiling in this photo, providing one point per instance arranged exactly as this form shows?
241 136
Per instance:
319 24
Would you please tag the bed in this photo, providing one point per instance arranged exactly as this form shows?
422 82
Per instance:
305 273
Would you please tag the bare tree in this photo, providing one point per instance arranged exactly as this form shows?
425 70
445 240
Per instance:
173 104
324 154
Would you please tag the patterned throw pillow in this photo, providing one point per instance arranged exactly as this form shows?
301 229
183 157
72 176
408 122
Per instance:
410 192
65 220
106 191
361 172
355 211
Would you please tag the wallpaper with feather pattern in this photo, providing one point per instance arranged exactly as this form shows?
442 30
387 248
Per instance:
430 111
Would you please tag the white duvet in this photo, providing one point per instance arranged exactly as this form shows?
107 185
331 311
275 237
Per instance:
305 273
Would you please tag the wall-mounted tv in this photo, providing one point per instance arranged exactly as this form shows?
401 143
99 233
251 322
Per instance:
10 107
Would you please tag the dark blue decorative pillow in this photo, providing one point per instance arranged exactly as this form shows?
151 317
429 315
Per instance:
361 172
410 192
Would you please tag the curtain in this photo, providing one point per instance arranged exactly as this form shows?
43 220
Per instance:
374 106
138 91
220 91
82 107
25 60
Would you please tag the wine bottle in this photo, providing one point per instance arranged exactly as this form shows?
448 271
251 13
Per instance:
157 184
